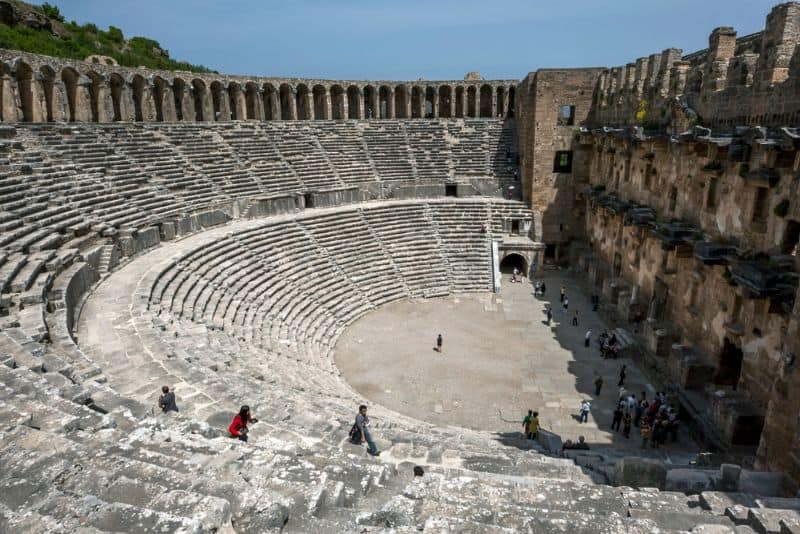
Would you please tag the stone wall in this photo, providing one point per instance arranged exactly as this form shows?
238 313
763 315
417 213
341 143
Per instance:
542 132
753 80
35 88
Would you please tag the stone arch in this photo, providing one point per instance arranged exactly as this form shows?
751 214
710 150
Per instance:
287 102
272 108
320 95
401 102
486 101
417 102
48 90
472 101
118 89
70 77
25 90
253 103
385 102
430 102
460 102
236 102
500 101
159 94
511 94
200 96
370 102
445 101
513 260
179 97
302 102
218 99
337 102
97 97
139 85
354 102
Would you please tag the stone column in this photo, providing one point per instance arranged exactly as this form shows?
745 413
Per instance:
83 100
187 104
105 104
435 106
293 105
328 104
224 105
207 104
11 111
275 104
376 103
390 114
452 102
345 106
503 103
408 104
38 101
361 103
493 102
310 104
258 105
168 112
240 101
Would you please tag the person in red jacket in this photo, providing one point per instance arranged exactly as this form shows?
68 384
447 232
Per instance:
238 428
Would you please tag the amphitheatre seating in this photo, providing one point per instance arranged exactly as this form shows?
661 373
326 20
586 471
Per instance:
250 313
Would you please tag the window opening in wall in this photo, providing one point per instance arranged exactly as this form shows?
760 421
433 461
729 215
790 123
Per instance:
309 200
515 226
711 199
673 198
760 205
566 115
791 238
450 190
550 252
563 161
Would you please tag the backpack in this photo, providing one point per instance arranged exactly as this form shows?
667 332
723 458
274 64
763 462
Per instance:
355 434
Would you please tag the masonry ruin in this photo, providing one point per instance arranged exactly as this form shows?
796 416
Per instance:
222 233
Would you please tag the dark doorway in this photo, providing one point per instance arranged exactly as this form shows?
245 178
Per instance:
730 365
515 226
512 261
309 200
549 252
450 190
791 238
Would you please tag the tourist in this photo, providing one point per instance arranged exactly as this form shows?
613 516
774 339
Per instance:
566 304
617 417
543 289
362 421
645 432
586 406
580 444
549 315
626 424
526 423
575 318
672 426
514 275
563 293
641 406
532 426
622 375
598 384
439 343
587 339
167 400
238 428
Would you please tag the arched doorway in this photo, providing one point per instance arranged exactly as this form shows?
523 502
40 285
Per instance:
445 101
486 101
730 365
512 261
401 102
320 95
337 102
353 102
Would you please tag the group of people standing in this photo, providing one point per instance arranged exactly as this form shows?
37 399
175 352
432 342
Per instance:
655 419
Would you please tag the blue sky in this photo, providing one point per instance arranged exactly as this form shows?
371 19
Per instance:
432 39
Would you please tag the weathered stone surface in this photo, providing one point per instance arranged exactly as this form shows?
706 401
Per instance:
641 473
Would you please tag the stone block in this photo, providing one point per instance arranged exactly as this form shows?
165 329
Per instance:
729 477
689 480
641 473
550 441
